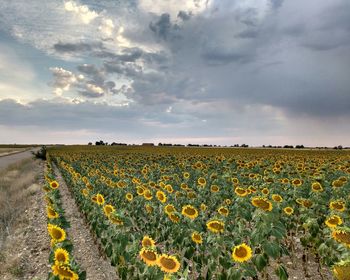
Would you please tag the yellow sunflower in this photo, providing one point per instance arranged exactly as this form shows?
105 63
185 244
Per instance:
316 187
240 191
186 175
203 207
57 234
337 183
174 217
262 203
51 213
168 264
214 188
147 241
189 211
333 221
114 219
197 237
338 205
100 199
341 270
54 185
149 208
161 196
241 253
108 209
129 196
61 256
288 210
342 235
147 195
64 272
215 226
223 211
149 256
169 208
265 191
297 182
277 198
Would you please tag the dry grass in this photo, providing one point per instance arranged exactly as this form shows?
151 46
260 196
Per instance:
16 183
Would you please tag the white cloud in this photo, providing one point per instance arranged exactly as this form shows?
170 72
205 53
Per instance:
82 11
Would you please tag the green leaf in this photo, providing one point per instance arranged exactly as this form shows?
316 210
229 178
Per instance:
260 262
271 249
281 272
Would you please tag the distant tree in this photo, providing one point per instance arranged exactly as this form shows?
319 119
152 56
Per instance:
299 147
160 144
90 143
99 143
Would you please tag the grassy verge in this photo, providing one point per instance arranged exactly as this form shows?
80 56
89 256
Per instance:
17 183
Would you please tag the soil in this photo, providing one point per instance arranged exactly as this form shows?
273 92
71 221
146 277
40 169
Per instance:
86 251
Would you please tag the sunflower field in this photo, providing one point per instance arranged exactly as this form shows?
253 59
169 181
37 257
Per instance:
192 213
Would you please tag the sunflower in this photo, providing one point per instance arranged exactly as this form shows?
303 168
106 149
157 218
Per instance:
341 270
129 196
216 226
161 196
140 190
262 203
57 234
307 203
189 211
147 195
149 256
54 185
108 209
61 256
201 181
147 241
114 219
64 272
85 192
100 199
169 188
342 235
338 205
149 208
241 253
223 211
197 237
203 207
240 191
51 213
214 188
288 210
316 187
168 264
277 198
174 217
297 182
228 201
169 208
186 175
333 221
338 183
265 191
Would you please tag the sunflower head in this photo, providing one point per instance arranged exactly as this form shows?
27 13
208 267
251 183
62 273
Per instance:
216 226
169 208
240 191
161 196
147 241
341 270
148 256
342 235
174 217
288 210
64 272
54 185
277 198
129 196
61 256
316 187
168 264
333 221
241 253
108 209
51 213
197 237
100 199
223 211
189 211
262 203
57 234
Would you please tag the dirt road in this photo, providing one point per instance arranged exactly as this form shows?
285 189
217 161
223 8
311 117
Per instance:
5 161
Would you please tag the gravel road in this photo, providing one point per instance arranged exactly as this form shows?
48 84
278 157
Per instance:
5 161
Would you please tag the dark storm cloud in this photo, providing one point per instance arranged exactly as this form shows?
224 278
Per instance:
81 47
162 27
184 15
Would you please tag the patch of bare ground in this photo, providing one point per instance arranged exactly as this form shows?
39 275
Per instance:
86 250
24 242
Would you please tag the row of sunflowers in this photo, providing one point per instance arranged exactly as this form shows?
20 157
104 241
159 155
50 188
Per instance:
63 265
214 213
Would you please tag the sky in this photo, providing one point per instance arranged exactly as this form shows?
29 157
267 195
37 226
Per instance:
220 72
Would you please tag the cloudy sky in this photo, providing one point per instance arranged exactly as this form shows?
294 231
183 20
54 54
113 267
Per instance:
181 71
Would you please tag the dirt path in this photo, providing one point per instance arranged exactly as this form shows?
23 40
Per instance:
5 161
86 252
